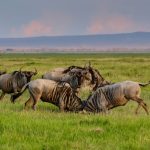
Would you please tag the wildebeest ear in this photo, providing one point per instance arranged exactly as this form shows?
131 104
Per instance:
21 69
88 65
14 72
35 72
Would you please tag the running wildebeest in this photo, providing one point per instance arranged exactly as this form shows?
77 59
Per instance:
118 94
13 82
59 94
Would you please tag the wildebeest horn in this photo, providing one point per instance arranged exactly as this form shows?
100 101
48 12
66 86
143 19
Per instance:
86 65
21 68
35 71
89 63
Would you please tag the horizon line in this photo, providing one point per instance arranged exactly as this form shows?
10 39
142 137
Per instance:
74 35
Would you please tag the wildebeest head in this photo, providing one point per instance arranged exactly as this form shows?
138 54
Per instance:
95 78
29 74
75 79
99 81
81 74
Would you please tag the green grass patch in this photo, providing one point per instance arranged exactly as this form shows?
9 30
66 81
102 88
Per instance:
48 129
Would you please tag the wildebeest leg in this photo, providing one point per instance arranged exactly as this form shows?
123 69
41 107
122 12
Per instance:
136 111
35 99
145 107
104 110
29 102
14 97
141 103
34 105
2 95
61 105
15 87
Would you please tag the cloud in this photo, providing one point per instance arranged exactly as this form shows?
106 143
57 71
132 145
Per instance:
95 27
110 25
47 25
36 28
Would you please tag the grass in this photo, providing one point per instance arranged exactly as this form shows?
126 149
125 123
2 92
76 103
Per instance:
48 129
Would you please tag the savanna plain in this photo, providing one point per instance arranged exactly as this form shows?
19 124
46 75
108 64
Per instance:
48 129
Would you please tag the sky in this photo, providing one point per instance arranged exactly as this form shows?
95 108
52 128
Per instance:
26 18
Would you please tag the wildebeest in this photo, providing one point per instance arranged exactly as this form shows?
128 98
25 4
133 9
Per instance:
118 94
13 82
59 94
91 76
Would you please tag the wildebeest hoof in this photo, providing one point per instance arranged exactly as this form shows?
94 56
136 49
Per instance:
12 100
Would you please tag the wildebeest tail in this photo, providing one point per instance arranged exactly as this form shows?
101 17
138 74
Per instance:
144 84
14 97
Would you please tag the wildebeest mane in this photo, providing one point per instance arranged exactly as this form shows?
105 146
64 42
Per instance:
17 74
98 73
14 72
72 67
98 79
93 75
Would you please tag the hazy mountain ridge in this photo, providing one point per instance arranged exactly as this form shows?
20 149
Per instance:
102 41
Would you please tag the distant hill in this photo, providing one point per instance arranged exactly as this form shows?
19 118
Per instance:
102 41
